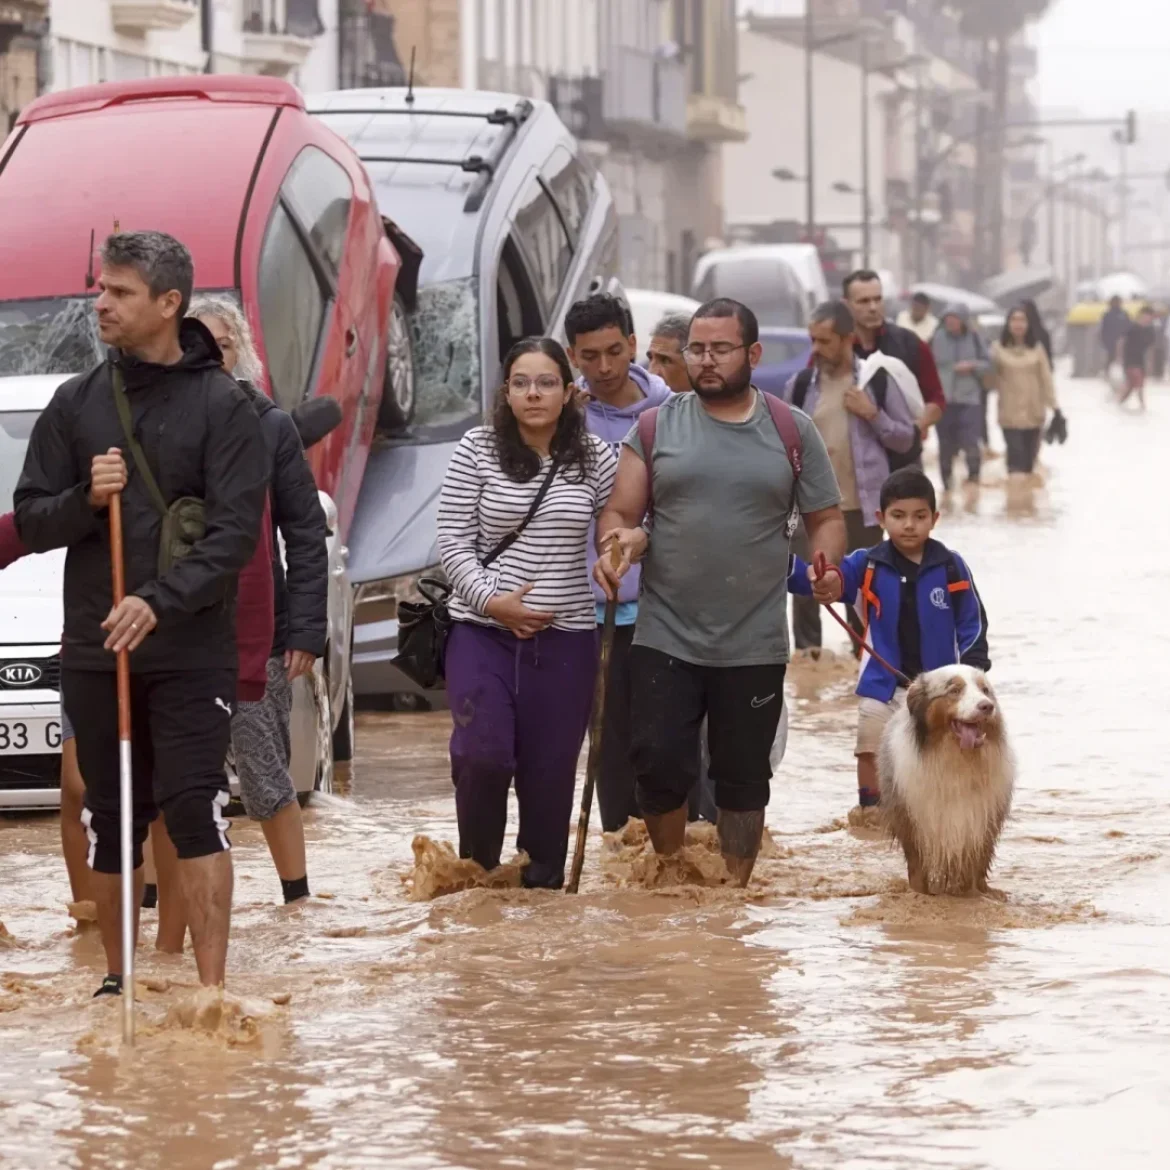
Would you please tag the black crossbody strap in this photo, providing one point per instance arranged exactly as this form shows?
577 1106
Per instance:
514 535
122 404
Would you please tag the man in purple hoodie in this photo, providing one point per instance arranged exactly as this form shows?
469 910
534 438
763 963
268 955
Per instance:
602 346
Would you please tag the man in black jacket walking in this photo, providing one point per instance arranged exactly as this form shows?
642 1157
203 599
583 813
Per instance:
200 438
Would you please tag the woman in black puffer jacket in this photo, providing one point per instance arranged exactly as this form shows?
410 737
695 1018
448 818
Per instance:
260 731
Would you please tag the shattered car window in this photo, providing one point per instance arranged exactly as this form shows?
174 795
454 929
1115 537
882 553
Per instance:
445 329
57 335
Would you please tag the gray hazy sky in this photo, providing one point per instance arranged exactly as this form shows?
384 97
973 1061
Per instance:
1105 56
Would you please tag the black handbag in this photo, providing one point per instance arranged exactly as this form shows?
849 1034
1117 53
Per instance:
1057 429
424 626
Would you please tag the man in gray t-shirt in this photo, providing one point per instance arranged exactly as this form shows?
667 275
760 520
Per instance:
712 633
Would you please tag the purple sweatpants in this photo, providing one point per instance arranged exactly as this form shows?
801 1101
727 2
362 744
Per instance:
521 711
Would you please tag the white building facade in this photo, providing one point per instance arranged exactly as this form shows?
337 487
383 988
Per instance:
128 40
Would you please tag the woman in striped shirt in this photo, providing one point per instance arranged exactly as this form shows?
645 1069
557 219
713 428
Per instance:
522 654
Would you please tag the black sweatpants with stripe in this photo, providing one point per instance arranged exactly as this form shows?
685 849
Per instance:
180 730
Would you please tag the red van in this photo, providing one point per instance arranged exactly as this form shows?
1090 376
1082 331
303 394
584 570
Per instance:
275 208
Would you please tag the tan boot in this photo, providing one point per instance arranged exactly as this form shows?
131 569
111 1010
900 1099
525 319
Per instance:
740 834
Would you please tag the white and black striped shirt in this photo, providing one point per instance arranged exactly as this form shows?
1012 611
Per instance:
480 505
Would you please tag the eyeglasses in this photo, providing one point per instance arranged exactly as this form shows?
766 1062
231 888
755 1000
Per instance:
545 384
720 351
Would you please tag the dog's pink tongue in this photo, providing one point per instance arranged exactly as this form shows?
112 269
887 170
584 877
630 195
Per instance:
968 736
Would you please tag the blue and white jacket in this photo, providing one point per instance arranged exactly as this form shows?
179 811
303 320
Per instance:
951 619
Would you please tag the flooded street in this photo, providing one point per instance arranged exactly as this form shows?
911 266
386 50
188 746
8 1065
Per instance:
825 1019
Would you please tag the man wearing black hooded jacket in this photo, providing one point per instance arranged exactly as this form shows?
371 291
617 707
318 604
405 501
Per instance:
200 438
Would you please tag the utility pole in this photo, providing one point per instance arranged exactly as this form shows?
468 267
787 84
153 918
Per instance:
207 34
1123 201
1052 205
866 230
809 144
919 182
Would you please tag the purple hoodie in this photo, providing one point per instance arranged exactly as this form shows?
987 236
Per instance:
613 424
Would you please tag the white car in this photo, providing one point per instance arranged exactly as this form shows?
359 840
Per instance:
30 641
648 307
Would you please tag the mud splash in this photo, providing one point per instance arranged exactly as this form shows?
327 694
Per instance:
628 858
439 871
6 939
83 913
205 1015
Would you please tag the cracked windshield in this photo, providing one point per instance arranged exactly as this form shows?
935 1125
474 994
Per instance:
658 664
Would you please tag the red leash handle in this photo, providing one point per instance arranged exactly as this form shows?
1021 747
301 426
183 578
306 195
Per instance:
821 568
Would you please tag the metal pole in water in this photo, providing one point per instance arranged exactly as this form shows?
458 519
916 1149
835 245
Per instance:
125 783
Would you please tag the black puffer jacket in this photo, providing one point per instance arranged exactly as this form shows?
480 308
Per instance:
302 594
201 438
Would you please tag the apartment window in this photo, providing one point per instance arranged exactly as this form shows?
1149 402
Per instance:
292 309
320 193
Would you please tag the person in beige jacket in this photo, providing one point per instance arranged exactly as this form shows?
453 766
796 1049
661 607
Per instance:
1023 378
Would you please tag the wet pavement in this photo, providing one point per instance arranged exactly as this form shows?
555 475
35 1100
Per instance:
826 1018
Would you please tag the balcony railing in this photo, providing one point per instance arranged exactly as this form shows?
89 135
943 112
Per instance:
278 34
293 18
644 94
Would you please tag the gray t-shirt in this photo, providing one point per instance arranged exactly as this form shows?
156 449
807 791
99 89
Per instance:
715 579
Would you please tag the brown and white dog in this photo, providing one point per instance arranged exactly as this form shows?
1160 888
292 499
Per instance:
947 772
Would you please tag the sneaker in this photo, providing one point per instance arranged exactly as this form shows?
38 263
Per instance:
111 985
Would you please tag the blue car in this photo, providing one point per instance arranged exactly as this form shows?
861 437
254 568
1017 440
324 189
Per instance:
786 352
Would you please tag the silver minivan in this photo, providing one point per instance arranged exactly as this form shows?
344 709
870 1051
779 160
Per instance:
513 223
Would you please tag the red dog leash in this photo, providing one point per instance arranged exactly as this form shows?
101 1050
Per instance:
821 566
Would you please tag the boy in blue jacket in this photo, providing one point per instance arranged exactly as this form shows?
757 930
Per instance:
917 601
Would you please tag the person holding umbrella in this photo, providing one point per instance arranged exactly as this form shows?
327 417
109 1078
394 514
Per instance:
192 493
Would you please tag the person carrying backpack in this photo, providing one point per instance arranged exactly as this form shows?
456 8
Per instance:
724 472
861 429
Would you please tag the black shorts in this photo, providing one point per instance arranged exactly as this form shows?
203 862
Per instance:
180 730
670 700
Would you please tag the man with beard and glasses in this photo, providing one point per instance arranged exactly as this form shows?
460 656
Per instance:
712 633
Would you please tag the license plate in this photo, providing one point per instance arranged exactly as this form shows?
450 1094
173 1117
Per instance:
29 737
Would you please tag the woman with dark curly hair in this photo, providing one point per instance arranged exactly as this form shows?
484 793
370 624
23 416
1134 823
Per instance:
514 516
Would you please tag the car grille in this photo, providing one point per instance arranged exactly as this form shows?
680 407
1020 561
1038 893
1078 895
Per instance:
29 772
50 679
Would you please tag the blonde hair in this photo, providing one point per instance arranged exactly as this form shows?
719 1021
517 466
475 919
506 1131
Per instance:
248 367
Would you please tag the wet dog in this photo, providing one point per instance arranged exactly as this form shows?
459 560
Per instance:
947 772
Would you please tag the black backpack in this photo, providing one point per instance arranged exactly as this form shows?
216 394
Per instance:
896 459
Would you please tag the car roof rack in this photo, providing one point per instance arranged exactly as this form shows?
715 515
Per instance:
485 168
475 163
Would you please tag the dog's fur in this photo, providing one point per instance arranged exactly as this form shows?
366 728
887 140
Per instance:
947 772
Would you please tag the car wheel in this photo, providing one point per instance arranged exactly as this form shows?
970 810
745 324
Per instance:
344 736
323 781
397 408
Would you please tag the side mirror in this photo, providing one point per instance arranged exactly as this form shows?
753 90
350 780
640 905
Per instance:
317 418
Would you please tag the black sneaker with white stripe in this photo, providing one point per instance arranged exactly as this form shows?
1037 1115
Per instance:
111 985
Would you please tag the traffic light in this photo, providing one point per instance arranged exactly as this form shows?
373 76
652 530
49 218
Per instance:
1131 127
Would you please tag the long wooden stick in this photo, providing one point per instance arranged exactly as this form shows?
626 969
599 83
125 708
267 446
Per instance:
596 728
125 782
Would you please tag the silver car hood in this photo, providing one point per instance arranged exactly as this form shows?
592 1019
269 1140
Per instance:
394 525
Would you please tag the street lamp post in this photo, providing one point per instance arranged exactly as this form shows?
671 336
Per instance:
809 144
865 216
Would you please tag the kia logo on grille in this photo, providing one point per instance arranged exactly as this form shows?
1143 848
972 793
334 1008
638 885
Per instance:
20 674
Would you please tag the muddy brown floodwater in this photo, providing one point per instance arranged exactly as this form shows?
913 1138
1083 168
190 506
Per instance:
826 1018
